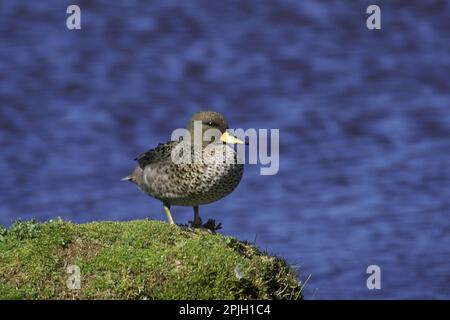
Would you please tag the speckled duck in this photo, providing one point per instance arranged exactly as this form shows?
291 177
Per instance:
197 182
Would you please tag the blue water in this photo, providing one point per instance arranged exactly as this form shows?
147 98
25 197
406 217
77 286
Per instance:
364 119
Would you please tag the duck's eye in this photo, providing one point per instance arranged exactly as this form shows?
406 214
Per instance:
210 123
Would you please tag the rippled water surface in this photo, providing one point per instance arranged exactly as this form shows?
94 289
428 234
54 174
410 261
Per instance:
363 115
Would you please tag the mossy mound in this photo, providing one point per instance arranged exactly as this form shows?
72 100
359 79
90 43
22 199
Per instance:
136 260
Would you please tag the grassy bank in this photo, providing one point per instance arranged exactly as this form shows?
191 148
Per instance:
136 260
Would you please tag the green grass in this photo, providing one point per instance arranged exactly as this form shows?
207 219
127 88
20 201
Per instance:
140 259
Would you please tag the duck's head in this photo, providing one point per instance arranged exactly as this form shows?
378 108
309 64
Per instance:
212 120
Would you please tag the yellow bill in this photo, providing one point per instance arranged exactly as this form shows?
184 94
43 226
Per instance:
228 138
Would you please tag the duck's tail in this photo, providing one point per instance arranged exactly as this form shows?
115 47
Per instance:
134 176
127 178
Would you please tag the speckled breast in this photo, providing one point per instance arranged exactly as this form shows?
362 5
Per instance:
192 184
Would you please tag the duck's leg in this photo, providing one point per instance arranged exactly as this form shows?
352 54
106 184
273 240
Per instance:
197 219
169 215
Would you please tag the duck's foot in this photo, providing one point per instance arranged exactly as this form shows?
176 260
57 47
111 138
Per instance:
197 223
210 225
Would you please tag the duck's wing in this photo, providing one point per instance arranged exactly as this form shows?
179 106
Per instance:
160 153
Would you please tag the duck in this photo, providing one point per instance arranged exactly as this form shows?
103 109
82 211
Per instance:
191 171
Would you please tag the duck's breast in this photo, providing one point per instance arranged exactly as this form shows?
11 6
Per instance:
190 184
